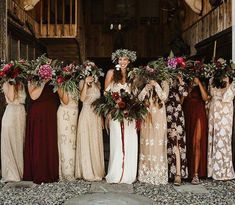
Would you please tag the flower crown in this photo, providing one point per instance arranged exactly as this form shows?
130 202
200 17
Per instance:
123 52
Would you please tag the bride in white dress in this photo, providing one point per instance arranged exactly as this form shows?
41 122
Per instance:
123 151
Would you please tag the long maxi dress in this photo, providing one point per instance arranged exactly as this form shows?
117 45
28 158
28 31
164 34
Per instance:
153 166
122 162
67 118
41 163
195 123
12 137
220 165
176 129
90 151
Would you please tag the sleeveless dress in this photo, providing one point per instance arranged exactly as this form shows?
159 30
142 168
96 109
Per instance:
90 151
12 137
67 117
122 163
41 163
194 112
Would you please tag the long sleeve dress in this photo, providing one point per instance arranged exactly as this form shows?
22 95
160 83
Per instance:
220 165
176 129
153 166
123 152
12 137
90 151
67 119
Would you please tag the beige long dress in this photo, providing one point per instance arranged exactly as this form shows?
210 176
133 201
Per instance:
67 119
12 137
89 154
220 165
153 165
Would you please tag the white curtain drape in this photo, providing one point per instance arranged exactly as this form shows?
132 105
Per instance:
195 5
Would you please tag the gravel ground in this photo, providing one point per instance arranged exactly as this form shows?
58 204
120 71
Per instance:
220 193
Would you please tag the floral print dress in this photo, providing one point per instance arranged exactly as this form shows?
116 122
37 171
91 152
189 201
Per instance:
176 129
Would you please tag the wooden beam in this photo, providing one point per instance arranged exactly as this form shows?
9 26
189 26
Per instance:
56 16
76 17
41 16
48 16
63 16
70 15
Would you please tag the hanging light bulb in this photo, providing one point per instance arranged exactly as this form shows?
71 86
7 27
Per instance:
119 26
111 26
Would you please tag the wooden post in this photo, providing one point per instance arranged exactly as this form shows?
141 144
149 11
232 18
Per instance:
56 16
3 30
48 17
233 31
71 16
41 16
214 51
63 16
76 17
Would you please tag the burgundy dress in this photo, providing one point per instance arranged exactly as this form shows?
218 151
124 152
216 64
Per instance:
41 149
194 110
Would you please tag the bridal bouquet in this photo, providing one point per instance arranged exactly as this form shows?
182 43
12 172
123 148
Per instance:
155 70
65 77
88 68
12 72
40 69
120 106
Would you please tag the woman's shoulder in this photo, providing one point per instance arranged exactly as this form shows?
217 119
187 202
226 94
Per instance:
110 72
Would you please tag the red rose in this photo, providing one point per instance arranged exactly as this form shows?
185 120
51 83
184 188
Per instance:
115 96
121 104
60 79
2 73
7 67
15 73
179 60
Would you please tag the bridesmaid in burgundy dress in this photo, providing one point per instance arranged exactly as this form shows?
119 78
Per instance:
196 130
41 148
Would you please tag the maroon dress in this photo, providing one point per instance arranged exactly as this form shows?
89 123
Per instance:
194 110
41 149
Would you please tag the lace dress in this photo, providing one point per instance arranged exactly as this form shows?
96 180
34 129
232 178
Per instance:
220 166
153 166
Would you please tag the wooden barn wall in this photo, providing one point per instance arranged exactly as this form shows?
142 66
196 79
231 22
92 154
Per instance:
100 41
198 28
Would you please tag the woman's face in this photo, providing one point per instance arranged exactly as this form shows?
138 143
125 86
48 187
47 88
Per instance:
123 62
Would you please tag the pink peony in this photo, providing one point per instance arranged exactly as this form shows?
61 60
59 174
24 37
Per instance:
45 71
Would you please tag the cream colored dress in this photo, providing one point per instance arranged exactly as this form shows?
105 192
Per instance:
12 137
122 163
90 152
67 117
153 165
220 165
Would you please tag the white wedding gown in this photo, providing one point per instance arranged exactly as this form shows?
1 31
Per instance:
123 154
